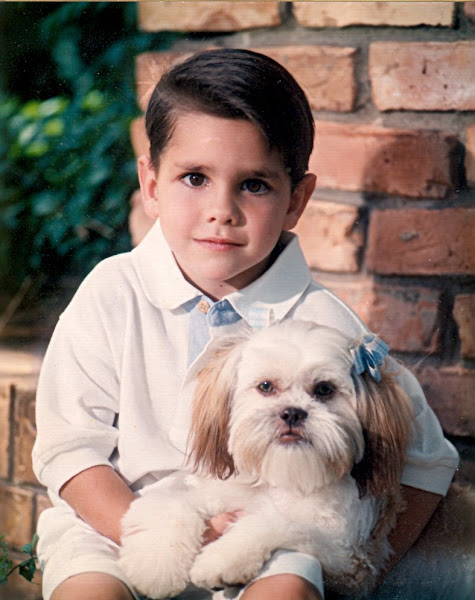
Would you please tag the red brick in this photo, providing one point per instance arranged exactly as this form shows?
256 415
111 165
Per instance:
464 314
357 293
423 75
139 222
325 73
18 588
16 516
400 14
469 9
207 16
405 317
330 236
139 137
16 366
25 434
422 242
449 390
150 66
5 430
470 153
414 163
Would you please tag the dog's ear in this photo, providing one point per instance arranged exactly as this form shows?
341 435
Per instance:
385 413
209 433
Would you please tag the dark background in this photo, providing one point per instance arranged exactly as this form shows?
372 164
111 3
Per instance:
67 170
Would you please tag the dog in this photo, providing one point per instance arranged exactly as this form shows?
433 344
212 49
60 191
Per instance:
296 426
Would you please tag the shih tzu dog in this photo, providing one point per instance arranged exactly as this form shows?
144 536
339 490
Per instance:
297 427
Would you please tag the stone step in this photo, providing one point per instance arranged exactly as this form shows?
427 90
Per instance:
20 363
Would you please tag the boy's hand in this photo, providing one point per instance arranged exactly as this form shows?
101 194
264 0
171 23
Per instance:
218 524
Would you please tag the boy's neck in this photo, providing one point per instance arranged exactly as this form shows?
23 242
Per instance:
217 290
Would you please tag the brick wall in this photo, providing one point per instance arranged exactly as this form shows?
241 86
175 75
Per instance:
21 498
390 227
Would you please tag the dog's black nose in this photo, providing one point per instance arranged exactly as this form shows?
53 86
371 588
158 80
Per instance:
292 415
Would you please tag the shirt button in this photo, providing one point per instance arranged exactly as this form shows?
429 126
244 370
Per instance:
203 306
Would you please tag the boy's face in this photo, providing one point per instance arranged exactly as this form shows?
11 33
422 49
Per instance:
223 200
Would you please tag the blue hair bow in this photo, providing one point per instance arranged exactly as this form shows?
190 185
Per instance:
368 355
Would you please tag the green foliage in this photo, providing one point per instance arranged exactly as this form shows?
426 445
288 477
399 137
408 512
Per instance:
26 568
66 164
6 564
66 175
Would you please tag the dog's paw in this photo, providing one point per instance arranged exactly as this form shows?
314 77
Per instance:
217 566
151 579
149 569
160 540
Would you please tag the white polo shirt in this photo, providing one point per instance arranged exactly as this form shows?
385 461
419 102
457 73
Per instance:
116 383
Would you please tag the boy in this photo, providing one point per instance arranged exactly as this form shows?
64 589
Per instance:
230 136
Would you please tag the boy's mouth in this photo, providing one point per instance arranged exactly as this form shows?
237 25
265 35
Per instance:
218 243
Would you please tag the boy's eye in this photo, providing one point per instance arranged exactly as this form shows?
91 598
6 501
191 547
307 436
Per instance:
255 186
194 179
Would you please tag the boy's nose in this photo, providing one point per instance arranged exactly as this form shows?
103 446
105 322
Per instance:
223 208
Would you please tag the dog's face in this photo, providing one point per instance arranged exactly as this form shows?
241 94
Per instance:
282 406
293 409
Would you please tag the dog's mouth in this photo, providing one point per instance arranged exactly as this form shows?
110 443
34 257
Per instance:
291 436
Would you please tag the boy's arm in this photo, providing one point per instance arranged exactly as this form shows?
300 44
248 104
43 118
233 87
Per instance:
100 497
420 505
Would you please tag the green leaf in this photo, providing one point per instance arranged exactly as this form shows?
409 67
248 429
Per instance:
29 548
6 564
98 174
45 203
31 110
53 106
28 569
54 127
93 101
37 148
11 214
8 108
28 133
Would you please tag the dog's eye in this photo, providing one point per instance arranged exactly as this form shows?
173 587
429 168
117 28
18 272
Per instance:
323 390
266 387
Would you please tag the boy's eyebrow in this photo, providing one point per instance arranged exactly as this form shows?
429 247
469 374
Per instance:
267 173
246 174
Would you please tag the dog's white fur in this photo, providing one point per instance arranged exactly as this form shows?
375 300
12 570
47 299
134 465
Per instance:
286 432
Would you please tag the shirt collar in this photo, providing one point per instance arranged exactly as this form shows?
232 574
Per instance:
269 298
264 301
160 277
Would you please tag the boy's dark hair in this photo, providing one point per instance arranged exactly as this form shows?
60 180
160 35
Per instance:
236 84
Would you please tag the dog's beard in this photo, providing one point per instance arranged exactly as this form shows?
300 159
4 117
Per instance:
328 447
295 466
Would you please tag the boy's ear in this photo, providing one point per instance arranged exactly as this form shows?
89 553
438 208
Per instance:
148 186
298 201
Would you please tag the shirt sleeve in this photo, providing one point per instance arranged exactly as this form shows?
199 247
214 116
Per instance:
431 460
78 391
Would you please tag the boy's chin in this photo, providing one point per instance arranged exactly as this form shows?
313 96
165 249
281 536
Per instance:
217 283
